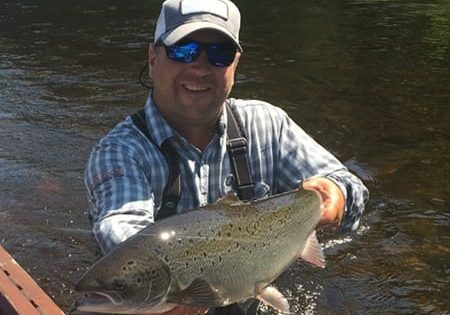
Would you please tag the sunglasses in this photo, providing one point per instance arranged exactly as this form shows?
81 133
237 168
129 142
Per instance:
219 54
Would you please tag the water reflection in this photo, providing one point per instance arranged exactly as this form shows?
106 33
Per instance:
369 79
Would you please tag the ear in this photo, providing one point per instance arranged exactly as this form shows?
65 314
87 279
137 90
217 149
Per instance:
235 65
151 54
236 60
151 57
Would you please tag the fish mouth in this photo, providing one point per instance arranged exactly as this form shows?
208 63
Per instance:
97 301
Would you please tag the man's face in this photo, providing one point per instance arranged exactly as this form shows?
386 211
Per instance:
191 93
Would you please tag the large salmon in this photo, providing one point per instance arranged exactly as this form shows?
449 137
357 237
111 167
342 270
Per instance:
213 256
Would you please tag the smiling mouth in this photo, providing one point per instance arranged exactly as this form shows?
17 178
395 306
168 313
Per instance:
196 88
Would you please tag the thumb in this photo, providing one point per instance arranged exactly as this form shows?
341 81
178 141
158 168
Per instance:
332 198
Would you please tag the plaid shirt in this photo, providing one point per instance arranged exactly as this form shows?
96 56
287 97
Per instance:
126 173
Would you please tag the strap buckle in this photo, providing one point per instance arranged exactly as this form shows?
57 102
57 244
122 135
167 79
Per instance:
238 146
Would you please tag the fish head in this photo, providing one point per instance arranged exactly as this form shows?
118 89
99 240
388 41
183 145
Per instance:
123 284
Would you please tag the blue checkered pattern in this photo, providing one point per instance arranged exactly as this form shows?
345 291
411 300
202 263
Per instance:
126 173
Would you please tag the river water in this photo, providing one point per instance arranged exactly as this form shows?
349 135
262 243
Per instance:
369 79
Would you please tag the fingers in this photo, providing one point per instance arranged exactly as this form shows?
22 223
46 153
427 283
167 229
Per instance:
333 201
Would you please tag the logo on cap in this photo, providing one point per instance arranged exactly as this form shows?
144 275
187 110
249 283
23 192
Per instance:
215 7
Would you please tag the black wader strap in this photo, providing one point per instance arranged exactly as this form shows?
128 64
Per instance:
238 152
172 191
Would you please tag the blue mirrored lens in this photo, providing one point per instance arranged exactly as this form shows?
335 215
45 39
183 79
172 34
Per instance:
219 55
186 53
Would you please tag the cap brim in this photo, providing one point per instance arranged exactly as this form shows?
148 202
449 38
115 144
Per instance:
184 30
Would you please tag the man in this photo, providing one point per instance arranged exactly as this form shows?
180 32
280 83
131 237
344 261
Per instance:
192 65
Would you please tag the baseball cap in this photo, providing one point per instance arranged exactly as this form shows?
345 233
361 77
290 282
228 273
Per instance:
179 18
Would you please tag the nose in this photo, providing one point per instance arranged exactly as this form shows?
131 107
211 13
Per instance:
202 60
200 67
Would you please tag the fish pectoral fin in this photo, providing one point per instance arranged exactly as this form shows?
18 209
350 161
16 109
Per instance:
312 252
271 296
198 293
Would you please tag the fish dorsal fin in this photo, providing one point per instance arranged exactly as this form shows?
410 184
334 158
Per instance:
271 296
312 252
198 293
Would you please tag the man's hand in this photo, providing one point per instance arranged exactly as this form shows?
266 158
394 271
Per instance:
184 310
333 201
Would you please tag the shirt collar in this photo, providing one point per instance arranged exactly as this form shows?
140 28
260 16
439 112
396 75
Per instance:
157 126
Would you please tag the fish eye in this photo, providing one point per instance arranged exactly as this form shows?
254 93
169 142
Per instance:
119 284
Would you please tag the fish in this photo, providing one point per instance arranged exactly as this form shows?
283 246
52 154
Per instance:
219 254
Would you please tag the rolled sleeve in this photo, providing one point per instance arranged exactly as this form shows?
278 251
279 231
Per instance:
120 196
356 195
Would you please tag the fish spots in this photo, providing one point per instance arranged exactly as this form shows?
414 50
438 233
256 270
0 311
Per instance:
158 250
129 265
119 284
